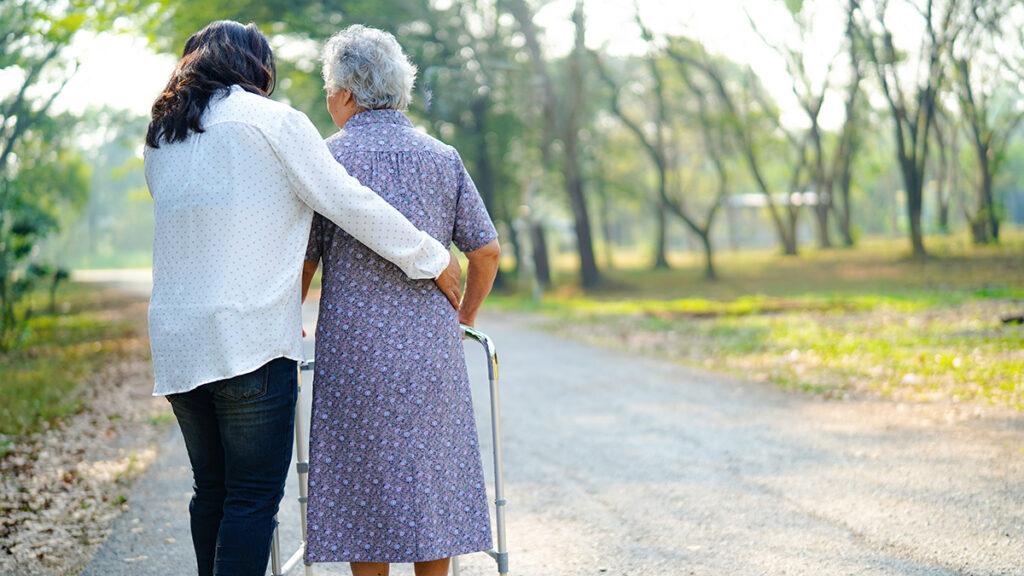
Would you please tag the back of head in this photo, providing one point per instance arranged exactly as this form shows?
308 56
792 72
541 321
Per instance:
371 65
220 55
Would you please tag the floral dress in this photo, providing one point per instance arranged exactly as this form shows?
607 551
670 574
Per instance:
395 468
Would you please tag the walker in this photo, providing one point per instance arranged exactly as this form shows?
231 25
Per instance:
500 554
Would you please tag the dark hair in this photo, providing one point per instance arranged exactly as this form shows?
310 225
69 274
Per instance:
220 55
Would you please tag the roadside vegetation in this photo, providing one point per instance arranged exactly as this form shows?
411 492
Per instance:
40 378
77 425
834 322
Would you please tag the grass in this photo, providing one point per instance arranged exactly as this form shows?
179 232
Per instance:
39 379
836 322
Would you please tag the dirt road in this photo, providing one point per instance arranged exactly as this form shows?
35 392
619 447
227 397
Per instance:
623 465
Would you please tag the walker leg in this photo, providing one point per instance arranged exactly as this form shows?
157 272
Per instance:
500 553
275 551
302 468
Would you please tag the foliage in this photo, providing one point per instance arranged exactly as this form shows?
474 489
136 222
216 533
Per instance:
990 100
488 87
60 349
41 174
115 225
470 87
51 180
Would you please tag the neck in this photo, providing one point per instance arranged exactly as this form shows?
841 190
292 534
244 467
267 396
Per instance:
348 114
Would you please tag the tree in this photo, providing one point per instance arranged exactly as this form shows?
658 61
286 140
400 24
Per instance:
810 93
654 145
743 122
849 135
912 109
51 181
568 130
831 158
654 140
989 104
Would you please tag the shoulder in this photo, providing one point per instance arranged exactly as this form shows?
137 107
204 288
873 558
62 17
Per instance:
423 142
259 112
370 138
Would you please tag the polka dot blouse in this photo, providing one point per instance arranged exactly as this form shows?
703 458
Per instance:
233 207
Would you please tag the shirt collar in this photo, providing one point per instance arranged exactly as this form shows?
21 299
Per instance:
378 117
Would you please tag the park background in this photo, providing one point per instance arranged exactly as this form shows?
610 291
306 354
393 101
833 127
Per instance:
825 196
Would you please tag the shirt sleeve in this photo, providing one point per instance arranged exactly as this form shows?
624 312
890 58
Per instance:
324 185
473 225
314 248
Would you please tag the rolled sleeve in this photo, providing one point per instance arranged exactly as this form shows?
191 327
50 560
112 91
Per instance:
473 225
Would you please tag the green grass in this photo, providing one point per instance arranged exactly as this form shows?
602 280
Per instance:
39 380
829 322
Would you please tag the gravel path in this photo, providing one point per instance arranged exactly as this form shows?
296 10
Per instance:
629 466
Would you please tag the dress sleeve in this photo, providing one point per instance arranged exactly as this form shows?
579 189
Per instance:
314 249
324 185
473 225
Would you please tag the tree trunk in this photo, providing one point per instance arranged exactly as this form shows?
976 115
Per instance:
942 215
914 186
789 236
605 212
981 229
916 232
485 174
517 248
660 236
541 264
589 274
709 260
822 188
993 210
821 214
789 246
849 139
844 213
942 177
987 218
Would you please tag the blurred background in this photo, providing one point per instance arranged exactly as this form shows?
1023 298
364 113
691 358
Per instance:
823 195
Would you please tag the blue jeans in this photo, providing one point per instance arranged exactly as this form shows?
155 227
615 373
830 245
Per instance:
238 433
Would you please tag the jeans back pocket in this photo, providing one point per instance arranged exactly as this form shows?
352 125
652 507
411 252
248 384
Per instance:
249 386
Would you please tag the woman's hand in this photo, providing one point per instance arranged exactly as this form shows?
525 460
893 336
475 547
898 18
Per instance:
450 281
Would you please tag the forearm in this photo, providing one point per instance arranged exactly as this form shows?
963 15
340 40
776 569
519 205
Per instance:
308 271
483 268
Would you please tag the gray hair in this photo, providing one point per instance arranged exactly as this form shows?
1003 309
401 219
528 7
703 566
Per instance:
369 63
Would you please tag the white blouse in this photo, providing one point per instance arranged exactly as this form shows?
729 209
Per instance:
233 207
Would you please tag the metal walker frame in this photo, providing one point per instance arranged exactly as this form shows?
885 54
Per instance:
499 553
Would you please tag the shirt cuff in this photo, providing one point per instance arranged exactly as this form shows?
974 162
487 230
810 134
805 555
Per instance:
433 260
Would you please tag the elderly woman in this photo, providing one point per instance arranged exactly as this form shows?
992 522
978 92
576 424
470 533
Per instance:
395 471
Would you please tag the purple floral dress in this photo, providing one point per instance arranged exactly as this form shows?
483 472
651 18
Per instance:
395 469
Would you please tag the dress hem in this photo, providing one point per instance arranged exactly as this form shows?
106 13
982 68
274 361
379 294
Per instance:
400 560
